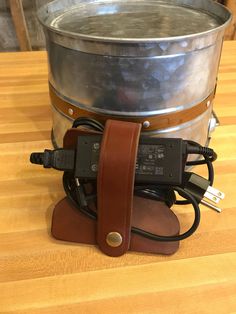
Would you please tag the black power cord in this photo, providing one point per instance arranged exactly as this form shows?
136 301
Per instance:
180 237
192 187
92 123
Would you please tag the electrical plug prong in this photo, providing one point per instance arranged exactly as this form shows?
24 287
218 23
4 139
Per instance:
216 193
211 206
214 196
215 199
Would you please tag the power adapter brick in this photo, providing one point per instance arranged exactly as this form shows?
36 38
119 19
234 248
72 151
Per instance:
159 160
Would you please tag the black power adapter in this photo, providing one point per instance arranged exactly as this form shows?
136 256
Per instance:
159 160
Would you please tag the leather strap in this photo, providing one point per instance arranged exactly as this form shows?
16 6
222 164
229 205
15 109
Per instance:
157 122
115 186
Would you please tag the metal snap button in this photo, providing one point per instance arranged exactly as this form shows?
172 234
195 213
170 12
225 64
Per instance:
114 239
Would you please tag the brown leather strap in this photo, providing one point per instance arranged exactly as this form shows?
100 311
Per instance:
156 122
115 186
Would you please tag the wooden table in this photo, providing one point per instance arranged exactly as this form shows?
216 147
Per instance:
41 275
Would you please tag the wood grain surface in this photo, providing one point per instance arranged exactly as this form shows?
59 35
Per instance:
41 275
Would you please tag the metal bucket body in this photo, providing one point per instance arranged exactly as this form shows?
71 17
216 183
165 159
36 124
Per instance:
163 69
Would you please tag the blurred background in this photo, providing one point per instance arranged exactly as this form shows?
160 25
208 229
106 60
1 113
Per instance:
21 31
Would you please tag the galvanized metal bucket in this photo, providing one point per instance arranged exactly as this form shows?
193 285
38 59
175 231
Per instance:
150 61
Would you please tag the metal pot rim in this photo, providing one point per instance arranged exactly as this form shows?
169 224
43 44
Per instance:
43 12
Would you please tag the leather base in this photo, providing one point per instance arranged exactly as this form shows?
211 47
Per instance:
69 224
